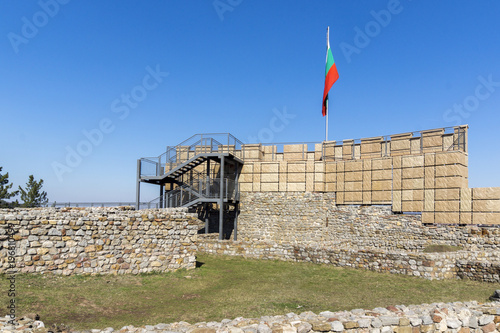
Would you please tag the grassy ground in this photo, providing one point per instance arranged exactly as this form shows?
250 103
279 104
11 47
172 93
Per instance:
224 287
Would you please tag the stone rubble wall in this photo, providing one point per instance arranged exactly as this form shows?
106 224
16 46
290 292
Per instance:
479 266
309 227
458 317
311 219
97 240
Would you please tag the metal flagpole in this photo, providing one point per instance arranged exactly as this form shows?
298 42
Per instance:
326 130
327 96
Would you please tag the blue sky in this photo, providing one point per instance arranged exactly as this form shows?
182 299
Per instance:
119 80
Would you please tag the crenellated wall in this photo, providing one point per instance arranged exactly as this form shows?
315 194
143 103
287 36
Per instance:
422 172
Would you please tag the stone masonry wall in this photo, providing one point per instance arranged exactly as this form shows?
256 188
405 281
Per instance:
97 240
309 227
313 219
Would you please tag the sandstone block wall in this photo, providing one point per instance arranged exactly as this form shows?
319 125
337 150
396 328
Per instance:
97 240
424 172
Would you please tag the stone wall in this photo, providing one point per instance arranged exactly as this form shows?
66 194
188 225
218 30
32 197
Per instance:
424 172
468 317
313 219
310 227
474 265
97 240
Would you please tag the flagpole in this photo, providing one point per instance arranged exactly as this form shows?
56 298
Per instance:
327 97
326 129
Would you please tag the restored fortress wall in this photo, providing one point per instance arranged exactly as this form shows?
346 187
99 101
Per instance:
97 240
424 172
305 226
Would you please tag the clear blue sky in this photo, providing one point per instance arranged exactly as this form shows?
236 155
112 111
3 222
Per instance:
223 66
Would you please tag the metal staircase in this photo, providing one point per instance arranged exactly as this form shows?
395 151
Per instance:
200 171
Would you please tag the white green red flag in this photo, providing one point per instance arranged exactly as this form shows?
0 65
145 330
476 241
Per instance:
331 73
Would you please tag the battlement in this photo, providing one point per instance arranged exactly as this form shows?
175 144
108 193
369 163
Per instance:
411 143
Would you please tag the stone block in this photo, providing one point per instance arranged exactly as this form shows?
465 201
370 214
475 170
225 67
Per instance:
371 146
331 177
353 197
338 152
330 187
310 166
353 186
486 205
339 198
340 185
296 148
417 172
295 156
432 138
282 186
429 200
450 182
446 218
415 145
382 163
296 167
382 174
353 176
465 199
296 187
451 157
367 182
412 161
340 167
449 170
310 182
397 163
367 197
396 201
486 218
256 178
247 168
256 187
381 197
448 194
447 206
246 187
353 166
269 178
430 159
319 177
412 206
270 168
296 177
319 187
319 167
428 217
413 184
381 185
465 218
485 193
283 177
245 178
269 187
330 167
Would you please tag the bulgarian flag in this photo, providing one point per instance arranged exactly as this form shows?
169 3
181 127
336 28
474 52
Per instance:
331 73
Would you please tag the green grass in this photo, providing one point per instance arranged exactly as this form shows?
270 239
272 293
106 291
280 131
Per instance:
441 248
224 287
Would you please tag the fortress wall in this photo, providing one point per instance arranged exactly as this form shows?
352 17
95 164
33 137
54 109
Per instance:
96 240
313 219
421 172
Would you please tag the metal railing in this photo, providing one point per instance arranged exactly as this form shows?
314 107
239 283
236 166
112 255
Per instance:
199 190
196 145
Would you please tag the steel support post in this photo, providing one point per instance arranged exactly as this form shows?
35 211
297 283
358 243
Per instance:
221 198
138 186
